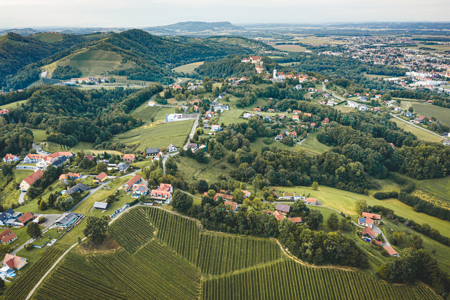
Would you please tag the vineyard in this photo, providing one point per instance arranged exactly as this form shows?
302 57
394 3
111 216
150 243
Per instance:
22 286
225 253
180 234
154 272
290 280
82 277
132 230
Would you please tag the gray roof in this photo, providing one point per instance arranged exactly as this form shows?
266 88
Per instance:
76 188
66 219
122 166
100 205
283 207
192 145
152 151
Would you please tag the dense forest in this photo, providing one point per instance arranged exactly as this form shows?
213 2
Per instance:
66 72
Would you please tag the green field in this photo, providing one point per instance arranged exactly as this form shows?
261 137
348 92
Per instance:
159 136
48 37
39 135
193 170
20 175
312 145
13 105
419 133
259 144
189 68
428 110
291 48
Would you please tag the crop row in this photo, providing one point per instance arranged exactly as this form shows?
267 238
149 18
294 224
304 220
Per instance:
23 285
290 280
132 230
76 278
225 253
155 273
179 233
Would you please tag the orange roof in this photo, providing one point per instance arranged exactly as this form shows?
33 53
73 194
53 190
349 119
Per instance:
390 250
133 180
369 231
57 154
296 220
8 238
5 233
268 211
165 187
278 215
35 156
246 193
311 200
33 177
101 176
9 156
224 196
372 216
12 261
72 175
131 157
233 204
25 217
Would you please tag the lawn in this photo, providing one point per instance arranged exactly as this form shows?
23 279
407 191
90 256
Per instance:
291 48
421 134
259 144
39 135
439 187
345 201
20 175
159 136
313 145
193 170
441 113
189 68
13 104
145 113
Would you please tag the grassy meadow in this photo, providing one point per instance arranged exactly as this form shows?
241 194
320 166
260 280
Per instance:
291 48
13 104
311 144
48 37
441 113
189 68
421 134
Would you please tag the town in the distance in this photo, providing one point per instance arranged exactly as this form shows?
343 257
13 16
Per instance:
217 161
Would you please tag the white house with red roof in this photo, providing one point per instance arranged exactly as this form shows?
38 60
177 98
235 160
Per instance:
129 185
163 194
14 262
233 205
10 158
30 180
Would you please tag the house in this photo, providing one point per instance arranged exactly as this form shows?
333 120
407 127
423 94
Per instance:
246 193
30 180
80 187
10 158
295 118
101 205
66 220
24 219
408 114
6 215
139 190
172 148
278 215
271 110
224 196
129 158
129 185
14 262
326 121
446 142
283 208
151 103
391 251
313 124
233 205
122 167
298 87
371 216
32 158
163 194
151 152
66 177
90 157
296 112
311 90
216 128
192 146
365 222
311 201
295 220
368 231
7 237
352 104
3 112
101 177
363 107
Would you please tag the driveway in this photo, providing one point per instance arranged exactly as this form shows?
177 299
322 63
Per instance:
21 197
378 230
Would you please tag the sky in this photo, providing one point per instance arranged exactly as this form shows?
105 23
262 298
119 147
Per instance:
143 13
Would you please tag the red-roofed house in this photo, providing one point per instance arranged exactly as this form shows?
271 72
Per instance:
10 158
90 157
7 237
313 124
24 219
326 121
268 212
129 185
139 190
224 196
3 112
295 117
311 201
163 194
246 194
365 221
30 180
296 220
257 109
129 157
371 216
278 215
391 251
295 112
101 177
234 205
369 232
14 262
64 177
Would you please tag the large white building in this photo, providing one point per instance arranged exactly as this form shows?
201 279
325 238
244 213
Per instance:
174 117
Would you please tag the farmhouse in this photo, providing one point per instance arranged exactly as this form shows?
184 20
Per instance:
30 180
365 222
129 185
101 205
7 237
233 205
129 158
24 219
283 208
371 216
369 232
66 220
14 262
10 158
80 187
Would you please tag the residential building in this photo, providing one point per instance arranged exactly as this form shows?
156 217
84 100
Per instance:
192 146
446 142
122 167
6 215
101 177
246 193
129 158
129 185
352 104
224 196
14 262
10 158
283 208
66 177
7 237
66 220
311 201
326 121
371 216
391 251
163 194
365 222
234 205
172 148
295 220
101 205
368 232
216 128
278 215
298 87
151 152
139 190
24 219
32 158
30 180
90 157
80 187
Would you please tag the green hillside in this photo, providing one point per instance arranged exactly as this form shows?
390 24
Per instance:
48 37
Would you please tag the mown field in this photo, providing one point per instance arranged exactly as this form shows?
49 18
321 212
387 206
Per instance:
13 104
48 37
162 135
441 113
312 145
419 133
189 68
291 48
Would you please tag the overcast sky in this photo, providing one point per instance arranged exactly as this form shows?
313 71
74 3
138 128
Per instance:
140 13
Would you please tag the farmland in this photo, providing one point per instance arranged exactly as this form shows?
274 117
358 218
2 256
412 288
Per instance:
290 280
290 48
48 37
189 68
157 136
25 283
311 144
421 134
441 113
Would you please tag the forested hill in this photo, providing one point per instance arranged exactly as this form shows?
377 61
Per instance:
17 51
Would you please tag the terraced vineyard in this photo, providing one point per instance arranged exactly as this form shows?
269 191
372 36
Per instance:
83 278
225 253
290 280
132 231
180 234
154 273
22 286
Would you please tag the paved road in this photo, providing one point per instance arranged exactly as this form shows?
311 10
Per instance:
21 197
429 131
325 89
378 230
194 127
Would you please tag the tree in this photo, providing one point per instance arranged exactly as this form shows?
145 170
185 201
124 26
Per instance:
101 167
333 222
315 218
43 205
346 225
255 186
33 230
211 193
2 284
238 195
181 201
417 242
315 186
79 241
96 229
202 186
361 205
